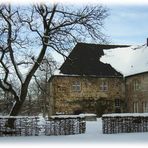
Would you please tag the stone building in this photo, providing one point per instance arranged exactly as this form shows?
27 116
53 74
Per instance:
85 84
137 92
134 67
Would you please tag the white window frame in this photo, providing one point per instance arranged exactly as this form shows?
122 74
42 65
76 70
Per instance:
117 102
104 85
135 107
76 86
136 85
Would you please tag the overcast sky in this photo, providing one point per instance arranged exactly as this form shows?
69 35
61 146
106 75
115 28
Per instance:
127 24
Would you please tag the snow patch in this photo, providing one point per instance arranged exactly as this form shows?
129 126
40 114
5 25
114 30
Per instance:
57 72
67 116
129 60
93 136
88 114
126 115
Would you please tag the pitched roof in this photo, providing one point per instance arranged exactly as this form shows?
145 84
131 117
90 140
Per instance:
133 60
85 60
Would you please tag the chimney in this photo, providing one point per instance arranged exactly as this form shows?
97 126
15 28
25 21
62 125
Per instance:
147 42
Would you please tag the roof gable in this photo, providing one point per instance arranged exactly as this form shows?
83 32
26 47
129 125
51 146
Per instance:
85 60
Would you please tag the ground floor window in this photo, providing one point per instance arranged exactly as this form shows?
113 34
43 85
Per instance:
135 107
117 102
145 107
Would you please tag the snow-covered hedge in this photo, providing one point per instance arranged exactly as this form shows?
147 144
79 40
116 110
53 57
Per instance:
23 126
35 125
65 125
125 123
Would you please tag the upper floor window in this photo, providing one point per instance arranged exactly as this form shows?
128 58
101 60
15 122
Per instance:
76 86
104 85
61 88
136 85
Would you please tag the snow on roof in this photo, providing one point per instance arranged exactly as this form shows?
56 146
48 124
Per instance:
129 60
57 72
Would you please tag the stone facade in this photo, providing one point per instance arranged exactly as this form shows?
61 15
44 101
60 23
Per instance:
86 84
137 92
75 94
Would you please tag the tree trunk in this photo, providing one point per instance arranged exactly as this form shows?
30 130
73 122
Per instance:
14 112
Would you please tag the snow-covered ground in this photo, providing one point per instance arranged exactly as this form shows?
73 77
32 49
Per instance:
93 136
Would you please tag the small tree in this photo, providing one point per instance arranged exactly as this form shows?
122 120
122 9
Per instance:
26 33
42 76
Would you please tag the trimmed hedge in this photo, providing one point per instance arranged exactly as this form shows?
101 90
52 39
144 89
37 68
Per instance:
125 123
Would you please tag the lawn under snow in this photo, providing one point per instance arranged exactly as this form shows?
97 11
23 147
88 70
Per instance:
93 135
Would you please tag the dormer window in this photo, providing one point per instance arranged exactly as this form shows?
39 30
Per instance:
76 86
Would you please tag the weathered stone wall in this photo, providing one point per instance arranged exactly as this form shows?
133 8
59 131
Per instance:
64 99
139 95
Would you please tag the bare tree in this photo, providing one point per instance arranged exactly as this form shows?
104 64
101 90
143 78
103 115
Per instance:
27 32
41 77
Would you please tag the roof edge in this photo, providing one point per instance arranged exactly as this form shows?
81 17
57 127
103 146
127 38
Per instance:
92 76
103 44
136 74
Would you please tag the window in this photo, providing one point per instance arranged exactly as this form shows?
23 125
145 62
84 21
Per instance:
104 86
136 85
135 107
117 102
145 107
76 86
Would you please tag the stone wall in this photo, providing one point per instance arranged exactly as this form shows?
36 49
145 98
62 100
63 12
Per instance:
124 123
139 94
90 97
